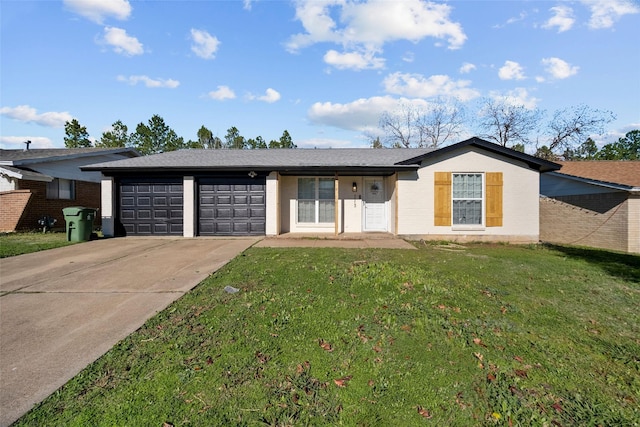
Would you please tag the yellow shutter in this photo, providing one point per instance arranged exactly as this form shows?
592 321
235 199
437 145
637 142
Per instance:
442 201
493 201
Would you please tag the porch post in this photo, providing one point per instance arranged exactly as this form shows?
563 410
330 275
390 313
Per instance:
335 202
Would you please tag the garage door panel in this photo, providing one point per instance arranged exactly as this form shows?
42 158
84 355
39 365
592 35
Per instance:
151 206
231 206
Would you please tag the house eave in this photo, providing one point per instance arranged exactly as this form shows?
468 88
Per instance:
603 184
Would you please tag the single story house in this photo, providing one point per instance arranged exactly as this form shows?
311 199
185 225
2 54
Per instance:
592 203
38 183
472 190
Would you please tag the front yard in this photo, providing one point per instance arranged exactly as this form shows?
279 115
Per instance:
12 244
444 335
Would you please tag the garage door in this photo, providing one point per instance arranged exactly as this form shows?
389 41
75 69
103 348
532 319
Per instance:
231 206
150 207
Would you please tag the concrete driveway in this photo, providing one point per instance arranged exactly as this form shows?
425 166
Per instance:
62 309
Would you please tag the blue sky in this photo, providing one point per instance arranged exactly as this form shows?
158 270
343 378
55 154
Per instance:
323 70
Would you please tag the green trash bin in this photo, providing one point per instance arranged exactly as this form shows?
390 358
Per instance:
79 223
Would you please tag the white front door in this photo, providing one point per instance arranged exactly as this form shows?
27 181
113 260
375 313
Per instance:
375 210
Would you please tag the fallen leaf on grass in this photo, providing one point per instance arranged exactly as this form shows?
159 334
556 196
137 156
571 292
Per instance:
521 373
479 356
342 382
377 349
478 341
406 328
325 345
425 413
167 425
557 407
491 377
518 358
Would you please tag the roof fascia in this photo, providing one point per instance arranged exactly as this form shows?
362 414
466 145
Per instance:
285 170
33 176
533 162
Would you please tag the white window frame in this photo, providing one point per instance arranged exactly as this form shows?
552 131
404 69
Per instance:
316 201
482 200
61 189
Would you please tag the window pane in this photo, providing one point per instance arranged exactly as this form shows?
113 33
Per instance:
65 189
467 212
326 188
306 211
306 188
326 211
52 189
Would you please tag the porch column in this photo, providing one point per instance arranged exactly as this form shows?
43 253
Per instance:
107 202
189 200
272 204
336 206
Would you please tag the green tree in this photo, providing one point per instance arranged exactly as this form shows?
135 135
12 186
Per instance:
285 141
116 137
233 139
156 137
376 143
586 151
546 153
257 143
626 148
76 135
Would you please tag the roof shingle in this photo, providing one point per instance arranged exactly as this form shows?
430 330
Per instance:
612 171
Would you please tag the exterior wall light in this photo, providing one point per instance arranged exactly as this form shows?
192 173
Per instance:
354 187
252 174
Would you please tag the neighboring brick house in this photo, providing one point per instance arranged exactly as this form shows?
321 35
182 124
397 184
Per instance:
592 203
41 182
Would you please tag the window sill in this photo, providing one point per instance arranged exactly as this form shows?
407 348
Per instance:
468 228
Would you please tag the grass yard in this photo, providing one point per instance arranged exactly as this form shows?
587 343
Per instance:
444 335
13 244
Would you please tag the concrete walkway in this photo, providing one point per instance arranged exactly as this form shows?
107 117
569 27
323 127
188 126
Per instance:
63 308
344 240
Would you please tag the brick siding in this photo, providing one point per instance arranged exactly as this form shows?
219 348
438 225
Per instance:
12 207
87 194
596 220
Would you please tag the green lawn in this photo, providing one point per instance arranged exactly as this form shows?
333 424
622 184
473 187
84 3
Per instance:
481 335
13 244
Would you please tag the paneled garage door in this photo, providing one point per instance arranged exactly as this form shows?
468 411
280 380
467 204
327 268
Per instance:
231 206
150 207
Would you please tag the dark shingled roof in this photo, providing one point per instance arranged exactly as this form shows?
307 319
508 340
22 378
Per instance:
355 160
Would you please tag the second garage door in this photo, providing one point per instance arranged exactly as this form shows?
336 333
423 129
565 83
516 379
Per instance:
231 206
151 207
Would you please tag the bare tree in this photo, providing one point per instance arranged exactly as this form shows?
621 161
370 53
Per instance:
398 127
508 124
441 123
413 126
571 126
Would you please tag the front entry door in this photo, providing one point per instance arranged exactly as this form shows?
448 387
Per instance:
375 210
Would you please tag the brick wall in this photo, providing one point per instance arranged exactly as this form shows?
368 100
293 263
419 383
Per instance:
87 194
12 207
596 220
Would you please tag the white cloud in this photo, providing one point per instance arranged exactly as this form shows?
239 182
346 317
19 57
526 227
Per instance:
246 4
270 96
17 142
562 18
121 42
417 86
222 93
408 57
511 70
149 82
353 60
604 13
467 67
518 96
559 69
98 11
366 26
27 114
204 44
361 115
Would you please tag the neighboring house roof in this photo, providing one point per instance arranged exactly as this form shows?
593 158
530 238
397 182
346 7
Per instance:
355 160
38 155
624 173
25 174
